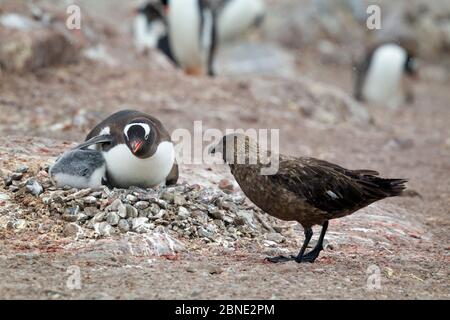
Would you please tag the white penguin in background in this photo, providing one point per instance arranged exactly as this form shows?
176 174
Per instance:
148 27
380 76
192 35
237 16
197 27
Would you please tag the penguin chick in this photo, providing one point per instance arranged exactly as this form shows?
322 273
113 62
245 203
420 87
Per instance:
79 169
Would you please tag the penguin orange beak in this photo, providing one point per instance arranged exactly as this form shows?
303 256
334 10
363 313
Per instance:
136 145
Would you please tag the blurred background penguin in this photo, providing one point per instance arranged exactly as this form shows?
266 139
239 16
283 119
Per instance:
189 32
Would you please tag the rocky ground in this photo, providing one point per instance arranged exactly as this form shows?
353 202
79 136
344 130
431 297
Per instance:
202 239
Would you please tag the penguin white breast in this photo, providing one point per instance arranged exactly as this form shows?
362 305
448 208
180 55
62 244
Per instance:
125 169
384 75
184 32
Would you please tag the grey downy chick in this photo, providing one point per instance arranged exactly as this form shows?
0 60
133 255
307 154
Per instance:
79 168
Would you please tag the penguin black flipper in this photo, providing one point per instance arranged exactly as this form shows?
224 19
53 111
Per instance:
172 178
105 138
213 46
361 70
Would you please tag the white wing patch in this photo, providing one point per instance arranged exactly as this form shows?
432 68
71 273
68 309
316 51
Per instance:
105 130
332 194
144 126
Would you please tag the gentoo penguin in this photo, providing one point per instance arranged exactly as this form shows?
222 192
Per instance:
192 35
150 29
79 169
234 17
137 149
379 76
306 190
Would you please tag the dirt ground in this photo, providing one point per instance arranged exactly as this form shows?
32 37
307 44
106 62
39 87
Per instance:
405 238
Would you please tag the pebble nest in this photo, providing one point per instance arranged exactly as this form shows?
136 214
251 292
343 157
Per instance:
186 210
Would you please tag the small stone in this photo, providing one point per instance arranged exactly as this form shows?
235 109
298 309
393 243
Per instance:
269 243
72 230
183 213
14 188
4 197
154 208
228 219
16 176
168 196
228 205
179 200
81 194
161 203
141 205
239 221
131 198
5 222
131 211
214 269
205 233
71 214
159 215
123 225
97 194
278 229
216 213
7 181
82 217
145 228
20 224
90 200
226 185
99 217
112 218
91 211
191 269
114 206
275 237
34 187
22 169
102 228
18 183
245 217
46 200
121 210
138 223
219 223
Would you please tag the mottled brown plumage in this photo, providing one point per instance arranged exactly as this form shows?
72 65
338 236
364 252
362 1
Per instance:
306 190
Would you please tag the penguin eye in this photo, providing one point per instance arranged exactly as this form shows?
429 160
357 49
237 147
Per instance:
135 127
